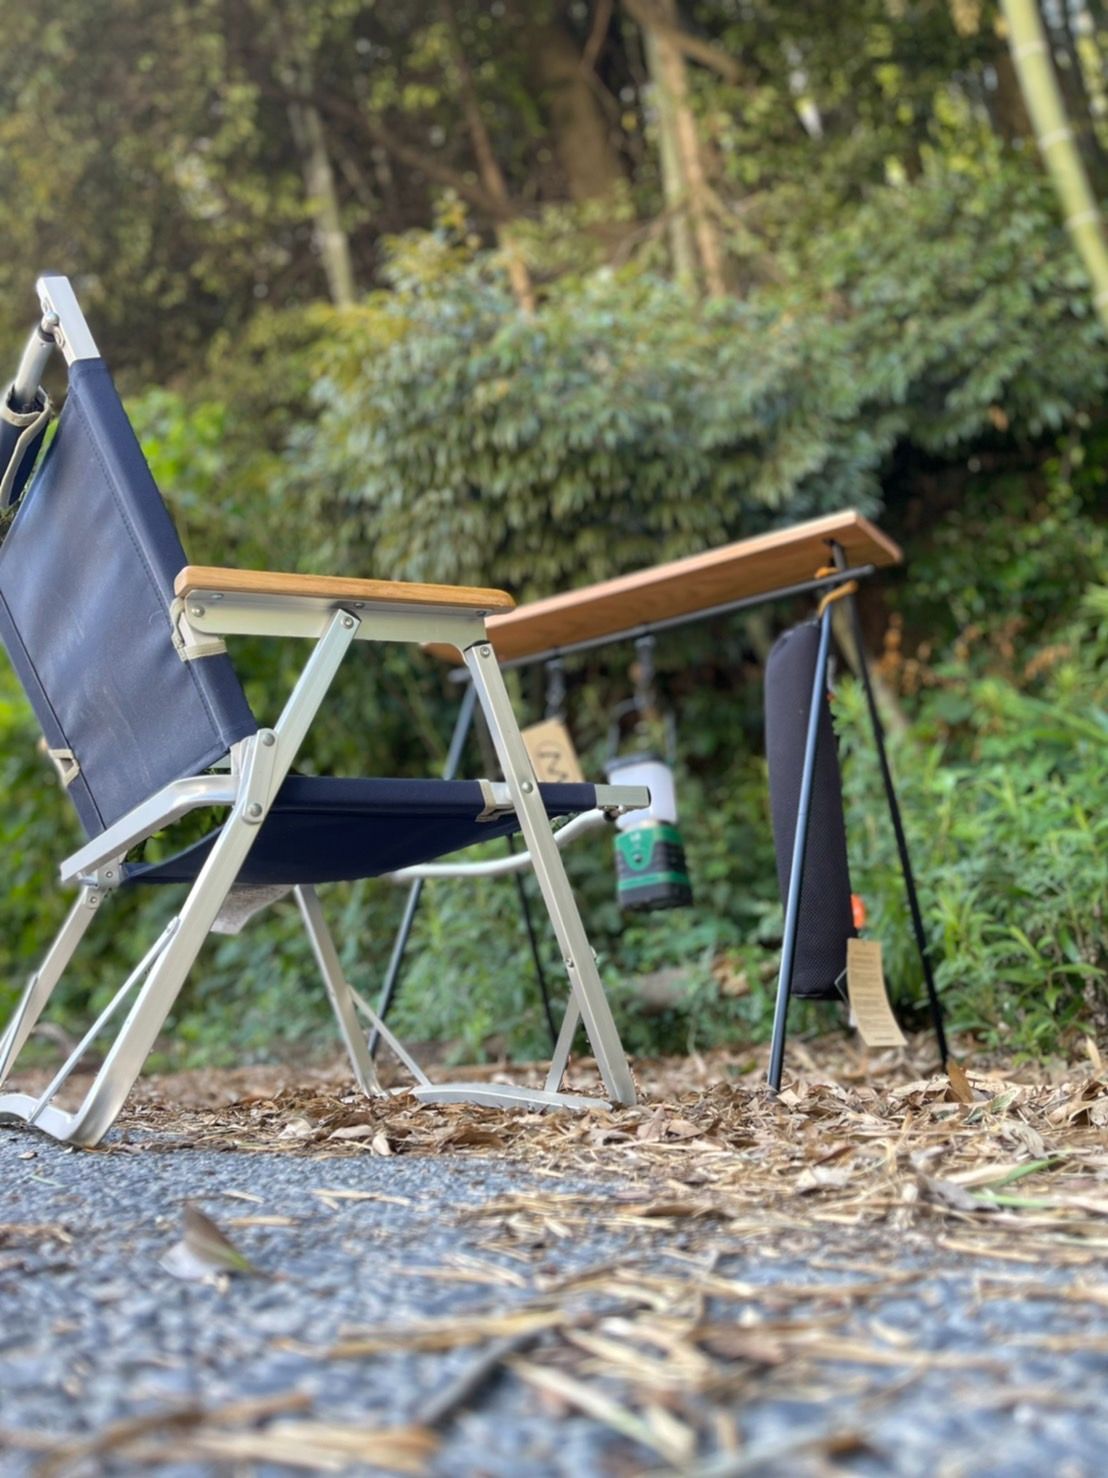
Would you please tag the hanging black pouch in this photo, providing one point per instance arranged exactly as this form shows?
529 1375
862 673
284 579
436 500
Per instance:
825 920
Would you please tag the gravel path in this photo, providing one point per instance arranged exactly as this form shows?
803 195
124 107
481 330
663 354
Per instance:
93 1330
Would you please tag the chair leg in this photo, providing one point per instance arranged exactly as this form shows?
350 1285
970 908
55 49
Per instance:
123 1063
580 963
266 758
338 990
40 987
563 1046
391 986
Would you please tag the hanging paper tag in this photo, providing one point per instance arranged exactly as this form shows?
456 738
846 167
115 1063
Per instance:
869 1000
552 753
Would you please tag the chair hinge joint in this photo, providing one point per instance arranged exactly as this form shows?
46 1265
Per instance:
187 641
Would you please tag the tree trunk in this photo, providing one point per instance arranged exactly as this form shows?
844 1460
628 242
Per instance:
684 177
488 167
1031 53
582 140
292 63
681 247
331 239
1075 96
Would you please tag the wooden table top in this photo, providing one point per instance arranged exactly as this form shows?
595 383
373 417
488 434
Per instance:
733 572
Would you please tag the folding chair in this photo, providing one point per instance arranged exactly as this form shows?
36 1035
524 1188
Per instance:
119 646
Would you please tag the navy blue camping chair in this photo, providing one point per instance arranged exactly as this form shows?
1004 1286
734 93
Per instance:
119 645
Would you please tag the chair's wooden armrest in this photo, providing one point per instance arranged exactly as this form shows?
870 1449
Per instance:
209 578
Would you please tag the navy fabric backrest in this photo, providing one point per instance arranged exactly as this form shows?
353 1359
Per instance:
86 580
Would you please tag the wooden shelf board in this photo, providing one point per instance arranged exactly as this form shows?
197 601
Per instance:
751 567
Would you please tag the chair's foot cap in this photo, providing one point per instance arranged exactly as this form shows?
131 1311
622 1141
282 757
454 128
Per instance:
504 1095
19 1108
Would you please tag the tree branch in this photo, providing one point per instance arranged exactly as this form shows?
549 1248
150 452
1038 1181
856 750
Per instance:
434 169
598 34
381 133
488 166
646 14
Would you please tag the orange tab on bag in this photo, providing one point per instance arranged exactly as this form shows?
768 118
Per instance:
858 909
869 1000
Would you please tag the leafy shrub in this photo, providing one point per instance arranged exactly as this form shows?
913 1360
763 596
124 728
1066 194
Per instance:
625 422
1007 817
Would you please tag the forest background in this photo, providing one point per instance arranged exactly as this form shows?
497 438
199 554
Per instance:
532 292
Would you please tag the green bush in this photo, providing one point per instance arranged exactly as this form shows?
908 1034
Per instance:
1006 809
625 422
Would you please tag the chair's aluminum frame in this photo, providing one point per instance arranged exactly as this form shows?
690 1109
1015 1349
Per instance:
259 765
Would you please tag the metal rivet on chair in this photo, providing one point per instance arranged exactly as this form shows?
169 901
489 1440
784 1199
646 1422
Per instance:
486 651
268 737
196 610
254 809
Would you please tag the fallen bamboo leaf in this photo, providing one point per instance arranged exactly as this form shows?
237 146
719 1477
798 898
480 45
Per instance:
298 1129
330 1447
1000 1175
204 1250
770 1455
959 1083
262 1221
445 1403
344 1195
120 1436
947 1194
601 1407
446 1334
12 1233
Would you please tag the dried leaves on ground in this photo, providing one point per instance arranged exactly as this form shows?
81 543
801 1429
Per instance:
662 1346
854 1138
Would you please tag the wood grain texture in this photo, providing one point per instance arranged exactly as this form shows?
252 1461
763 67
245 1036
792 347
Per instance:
338 588
750 567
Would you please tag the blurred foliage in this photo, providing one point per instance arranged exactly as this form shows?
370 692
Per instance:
905 330
1006 795
453 430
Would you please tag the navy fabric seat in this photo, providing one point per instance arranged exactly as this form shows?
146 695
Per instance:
326 830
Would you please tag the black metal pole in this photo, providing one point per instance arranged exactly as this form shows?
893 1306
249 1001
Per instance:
800 846
536 957
389 990
898 825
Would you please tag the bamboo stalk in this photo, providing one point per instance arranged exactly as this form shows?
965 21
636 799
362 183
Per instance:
1043 96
